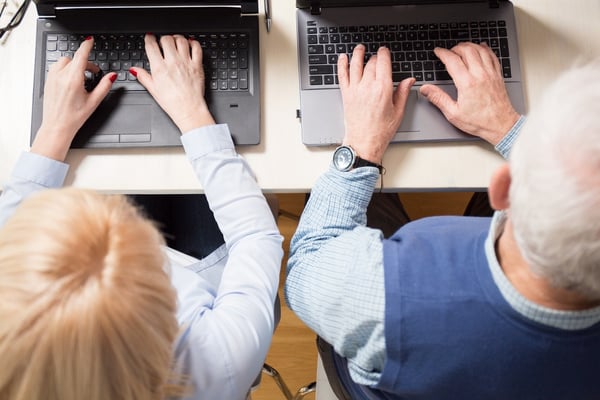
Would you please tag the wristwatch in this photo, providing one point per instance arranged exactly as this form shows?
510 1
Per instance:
345 159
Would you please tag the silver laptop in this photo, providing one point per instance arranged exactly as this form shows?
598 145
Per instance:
129 117
411 29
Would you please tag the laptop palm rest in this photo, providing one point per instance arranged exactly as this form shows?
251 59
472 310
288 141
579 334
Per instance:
123 119
422 121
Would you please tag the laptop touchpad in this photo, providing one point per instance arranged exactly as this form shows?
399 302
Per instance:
124 119
409 122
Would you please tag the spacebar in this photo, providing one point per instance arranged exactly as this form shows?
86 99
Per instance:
127 85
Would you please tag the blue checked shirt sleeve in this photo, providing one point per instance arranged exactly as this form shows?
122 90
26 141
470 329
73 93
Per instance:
505 145
335 271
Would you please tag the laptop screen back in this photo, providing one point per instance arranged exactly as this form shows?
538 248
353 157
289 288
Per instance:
139 3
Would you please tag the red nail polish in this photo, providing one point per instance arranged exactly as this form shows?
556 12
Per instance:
113 78
88 38
133 72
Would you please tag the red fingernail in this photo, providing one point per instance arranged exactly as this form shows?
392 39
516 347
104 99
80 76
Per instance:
113 78
133 72
88 38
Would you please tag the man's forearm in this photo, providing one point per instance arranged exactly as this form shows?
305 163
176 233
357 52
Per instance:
337 204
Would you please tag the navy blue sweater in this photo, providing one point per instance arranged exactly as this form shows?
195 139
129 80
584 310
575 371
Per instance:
451 335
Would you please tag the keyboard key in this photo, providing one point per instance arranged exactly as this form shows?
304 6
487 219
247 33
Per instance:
442 76
316 49
316 80
400 76
317 59
506 72
320 69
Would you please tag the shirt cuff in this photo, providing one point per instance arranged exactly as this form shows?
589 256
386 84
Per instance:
41 170
504 146
357 184
205 140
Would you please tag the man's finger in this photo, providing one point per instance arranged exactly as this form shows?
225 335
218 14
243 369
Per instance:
489 58
384 64
472 55
454 64
343 71
439 98
370 70
401 95
356 64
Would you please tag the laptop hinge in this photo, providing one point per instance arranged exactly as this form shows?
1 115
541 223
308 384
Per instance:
494 3
249 7
315 8
46 10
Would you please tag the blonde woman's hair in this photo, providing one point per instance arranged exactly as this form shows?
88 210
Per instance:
86 307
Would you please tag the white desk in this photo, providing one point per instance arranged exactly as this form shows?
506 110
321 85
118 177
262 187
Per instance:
552 33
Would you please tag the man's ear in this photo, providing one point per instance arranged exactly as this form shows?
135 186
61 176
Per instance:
499 187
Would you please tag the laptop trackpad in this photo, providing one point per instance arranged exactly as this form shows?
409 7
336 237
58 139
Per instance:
115 122
124 119
409 123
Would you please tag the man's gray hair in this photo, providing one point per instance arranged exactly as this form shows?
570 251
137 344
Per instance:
555 188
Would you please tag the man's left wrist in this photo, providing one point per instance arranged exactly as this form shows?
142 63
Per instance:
346 158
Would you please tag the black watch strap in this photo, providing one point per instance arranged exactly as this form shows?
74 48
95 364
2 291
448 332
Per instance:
360 162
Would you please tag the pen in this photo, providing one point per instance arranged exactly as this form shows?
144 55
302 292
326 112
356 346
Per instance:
268 14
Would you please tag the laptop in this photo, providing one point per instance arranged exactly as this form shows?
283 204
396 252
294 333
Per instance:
129 117
411 29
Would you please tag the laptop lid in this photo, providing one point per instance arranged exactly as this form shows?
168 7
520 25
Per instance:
366 3
129 116
49 7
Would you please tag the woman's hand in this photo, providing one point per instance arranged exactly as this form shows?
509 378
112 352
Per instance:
67 105
177 80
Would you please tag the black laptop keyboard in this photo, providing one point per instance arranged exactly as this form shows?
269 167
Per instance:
411 46
225 57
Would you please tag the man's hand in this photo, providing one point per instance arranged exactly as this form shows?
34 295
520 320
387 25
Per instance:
67 105
482 107
373 111
177 80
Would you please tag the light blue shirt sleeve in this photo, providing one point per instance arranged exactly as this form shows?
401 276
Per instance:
335 270
503 147
31 173
228 327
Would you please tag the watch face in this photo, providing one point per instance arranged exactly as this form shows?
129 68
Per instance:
343 158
